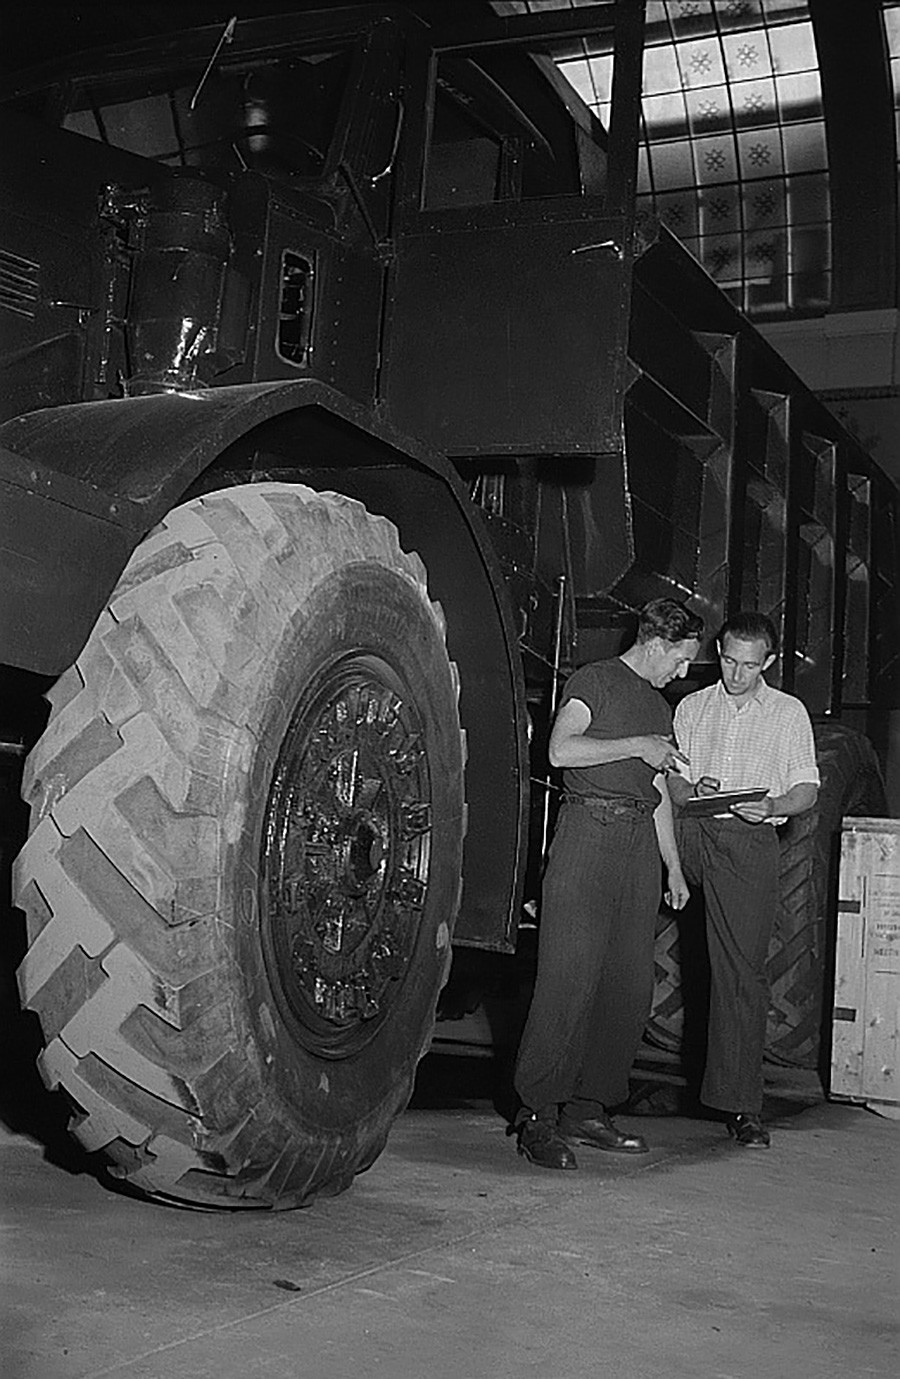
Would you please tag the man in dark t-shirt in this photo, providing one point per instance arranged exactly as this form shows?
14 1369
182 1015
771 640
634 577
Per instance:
613 738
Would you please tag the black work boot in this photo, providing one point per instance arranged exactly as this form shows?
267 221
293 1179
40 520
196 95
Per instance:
600 1132
747 1129
541 1143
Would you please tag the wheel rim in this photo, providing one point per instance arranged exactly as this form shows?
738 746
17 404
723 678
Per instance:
345 855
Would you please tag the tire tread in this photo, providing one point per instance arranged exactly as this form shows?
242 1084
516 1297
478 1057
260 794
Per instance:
128 970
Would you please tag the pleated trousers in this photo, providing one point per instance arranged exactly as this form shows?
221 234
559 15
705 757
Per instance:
736 864
594 981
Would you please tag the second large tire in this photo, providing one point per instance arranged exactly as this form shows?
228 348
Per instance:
245 852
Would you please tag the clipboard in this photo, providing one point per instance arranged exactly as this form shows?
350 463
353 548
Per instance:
709 806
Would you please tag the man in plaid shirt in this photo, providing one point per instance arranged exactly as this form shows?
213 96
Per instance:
740 734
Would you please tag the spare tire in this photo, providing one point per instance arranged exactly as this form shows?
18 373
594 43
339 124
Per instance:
801 953
245 850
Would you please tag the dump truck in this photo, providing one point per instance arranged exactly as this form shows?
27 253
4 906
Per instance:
348 405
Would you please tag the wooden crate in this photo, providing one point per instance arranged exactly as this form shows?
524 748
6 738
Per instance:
865 1051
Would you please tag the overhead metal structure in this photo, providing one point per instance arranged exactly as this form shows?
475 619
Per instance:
768 132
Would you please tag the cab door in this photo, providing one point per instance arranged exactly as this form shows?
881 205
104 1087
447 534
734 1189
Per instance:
507 331
509 291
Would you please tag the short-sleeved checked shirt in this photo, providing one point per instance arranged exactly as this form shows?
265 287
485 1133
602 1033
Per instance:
766 742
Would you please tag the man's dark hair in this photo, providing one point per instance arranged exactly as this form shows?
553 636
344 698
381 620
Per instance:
751 627
670 620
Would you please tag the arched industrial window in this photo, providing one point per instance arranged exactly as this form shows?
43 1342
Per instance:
733 156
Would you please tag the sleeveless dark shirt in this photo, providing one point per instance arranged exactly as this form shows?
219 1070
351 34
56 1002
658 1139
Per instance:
622 704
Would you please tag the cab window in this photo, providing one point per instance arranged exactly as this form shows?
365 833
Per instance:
277 117
502 129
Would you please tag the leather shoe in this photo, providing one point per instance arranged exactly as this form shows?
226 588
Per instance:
748 1130
600 1133
541 1143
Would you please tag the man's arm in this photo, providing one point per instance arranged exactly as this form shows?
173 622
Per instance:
677 892
570 747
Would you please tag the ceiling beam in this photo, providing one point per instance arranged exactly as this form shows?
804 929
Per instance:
491 29
862 160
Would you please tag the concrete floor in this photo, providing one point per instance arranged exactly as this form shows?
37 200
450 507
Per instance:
452 1258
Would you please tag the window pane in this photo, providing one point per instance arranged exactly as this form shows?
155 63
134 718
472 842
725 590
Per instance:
776 10
143 126
660 71
691 17
715 160
740 14
804 147
765 256
693 247
601 75
579 74
722 257
800 96
720 210
464 160
764 205
679 213
747 55
672 166
665 116
760 153
809 201
794 48
700 64
810 275
643 177
82 122
892 29
754 103
709 110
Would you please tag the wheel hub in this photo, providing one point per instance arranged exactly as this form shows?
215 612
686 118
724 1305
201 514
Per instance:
346 853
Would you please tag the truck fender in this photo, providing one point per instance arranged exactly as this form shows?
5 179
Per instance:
83 485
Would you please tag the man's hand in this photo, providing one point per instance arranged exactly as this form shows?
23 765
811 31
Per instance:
707 785
797 800
754 811
658 752
678 892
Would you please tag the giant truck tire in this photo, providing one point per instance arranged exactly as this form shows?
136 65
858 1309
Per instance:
799 954
245 851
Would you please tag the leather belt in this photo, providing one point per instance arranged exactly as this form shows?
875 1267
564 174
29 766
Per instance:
605 807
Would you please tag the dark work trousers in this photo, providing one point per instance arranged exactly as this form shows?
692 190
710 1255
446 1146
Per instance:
594 983
736 864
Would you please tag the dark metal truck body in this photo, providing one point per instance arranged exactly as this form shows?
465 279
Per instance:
259 291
